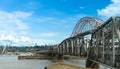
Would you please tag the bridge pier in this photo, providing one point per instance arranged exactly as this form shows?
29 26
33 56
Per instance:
61 48
76 47
67 47
64 47
72 45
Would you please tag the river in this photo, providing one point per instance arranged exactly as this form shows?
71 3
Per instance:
12 62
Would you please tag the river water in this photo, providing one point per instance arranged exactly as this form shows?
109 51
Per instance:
12 62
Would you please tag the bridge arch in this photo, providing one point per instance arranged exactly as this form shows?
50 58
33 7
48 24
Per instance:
77 43
86 24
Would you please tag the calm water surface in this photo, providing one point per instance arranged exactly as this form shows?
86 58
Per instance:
12 62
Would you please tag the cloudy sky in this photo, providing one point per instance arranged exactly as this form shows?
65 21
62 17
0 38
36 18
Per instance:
26 22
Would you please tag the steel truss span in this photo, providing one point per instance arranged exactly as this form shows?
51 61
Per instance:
78 43
105 43
103 46
86 24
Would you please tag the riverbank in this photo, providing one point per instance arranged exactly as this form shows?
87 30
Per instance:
61 65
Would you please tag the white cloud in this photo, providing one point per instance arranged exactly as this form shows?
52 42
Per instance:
7 39
112 9
25 39
13 19
45 41
46 38
13 27
116 1
23 15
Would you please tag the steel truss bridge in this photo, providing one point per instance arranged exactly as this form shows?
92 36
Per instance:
97 40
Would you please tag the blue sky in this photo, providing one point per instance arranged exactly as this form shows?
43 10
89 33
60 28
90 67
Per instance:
26 22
